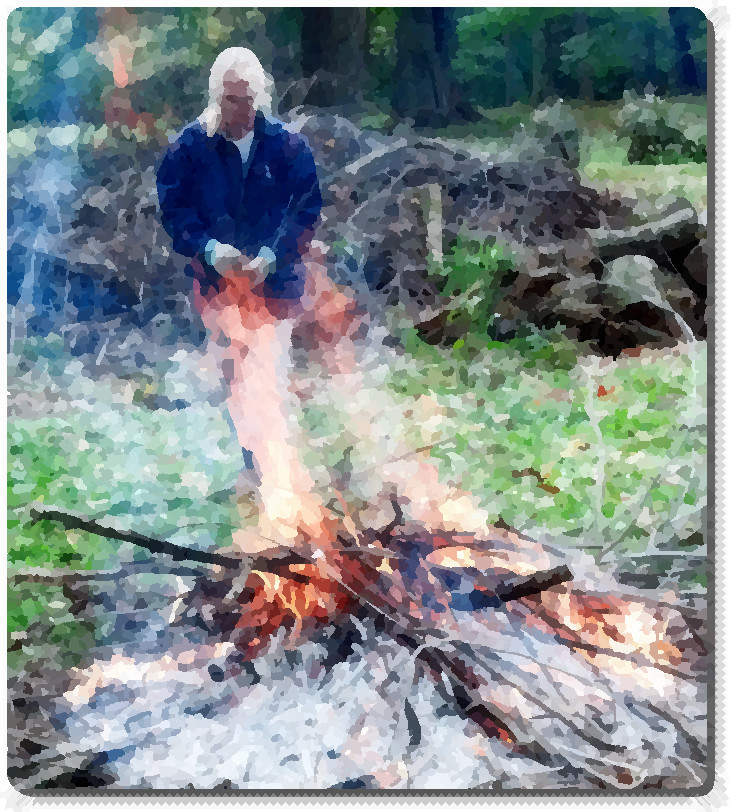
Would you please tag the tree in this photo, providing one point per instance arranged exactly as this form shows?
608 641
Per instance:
333 45
419 92
51 75
682 20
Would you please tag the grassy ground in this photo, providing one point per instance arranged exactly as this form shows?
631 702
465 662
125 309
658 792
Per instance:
586 451
93 446
609 454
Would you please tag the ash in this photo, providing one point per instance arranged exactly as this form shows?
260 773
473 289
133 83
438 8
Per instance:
351 709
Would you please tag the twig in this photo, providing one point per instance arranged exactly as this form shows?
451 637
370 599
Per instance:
124 571
397 521
356 166
77 521
595 424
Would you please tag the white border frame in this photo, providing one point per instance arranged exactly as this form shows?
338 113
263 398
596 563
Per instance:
718 15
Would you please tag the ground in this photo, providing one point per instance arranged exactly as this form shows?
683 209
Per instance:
604 455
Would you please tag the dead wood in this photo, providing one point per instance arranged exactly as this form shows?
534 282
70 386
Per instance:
667 240
77 521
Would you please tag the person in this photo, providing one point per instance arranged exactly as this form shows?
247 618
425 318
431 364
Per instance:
239 196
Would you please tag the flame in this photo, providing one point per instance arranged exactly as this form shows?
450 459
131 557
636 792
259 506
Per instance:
607 623
281 601
456 557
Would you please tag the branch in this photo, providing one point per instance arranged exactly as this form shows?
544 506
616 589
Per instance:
275 560
386 149
679 226
77 521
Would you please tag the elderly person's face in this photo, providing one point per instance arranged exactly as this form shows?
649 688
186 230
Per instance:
237 107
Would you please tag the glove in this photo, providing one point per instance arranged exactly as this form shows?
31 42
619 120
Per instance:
221 255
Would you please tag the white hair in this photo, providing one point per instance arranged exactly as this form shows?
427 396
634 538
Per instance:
244 64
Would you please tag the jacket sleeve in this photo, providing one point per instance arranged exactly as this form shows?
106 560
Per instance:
182 216
302 212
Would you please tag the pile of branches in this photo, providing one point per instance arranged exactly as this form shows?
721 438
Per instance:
550 660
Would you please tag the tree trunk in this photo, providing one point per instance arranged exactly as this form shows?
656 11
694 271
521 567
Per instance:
538 64
417 74
652 71
510 94
686 78
333 51
585 80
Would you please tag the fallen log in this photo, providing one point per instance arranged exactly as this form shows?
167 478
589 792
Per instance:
675 233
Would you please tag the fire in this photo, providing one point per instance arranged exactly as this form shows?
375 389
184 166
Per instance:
459 557
300 602
119 70
608 624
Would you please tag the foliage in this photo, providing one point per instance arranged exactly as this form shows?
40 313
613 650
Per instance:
470 279
52 77
60 61
507 55
656 135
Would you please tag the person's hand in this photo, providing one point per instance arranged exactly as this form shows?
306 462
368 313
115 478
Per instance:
220 255
254 270
229 261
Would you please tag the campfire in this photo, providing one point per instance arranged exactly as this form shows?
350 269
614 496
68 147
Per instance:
543 653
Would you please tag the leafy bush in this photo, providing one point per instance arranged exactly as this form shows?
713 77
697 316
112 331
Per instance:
656 133
471 280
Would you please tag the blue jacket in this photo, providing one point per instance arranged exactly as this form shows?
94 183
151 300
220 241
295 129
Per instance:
203 195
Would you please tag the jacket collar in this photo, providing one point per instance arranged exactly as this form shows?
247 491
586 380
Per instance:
259 124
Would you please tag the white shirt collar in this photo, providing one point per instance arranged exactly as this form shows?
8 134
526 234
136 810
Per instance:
243 142
244 145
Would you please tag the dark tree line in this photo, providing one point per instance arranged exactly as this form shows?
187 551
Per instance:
425 64
438 64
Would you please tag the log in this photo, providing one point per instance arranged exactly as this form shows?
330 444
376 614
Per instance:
677 231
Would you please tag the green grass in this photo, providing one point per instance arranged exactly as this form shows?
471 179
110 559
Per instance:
554 441
168 474
528 407
637 181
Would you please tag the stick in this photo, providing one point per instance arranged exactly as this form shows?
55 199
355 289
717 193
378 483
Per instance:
76 521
